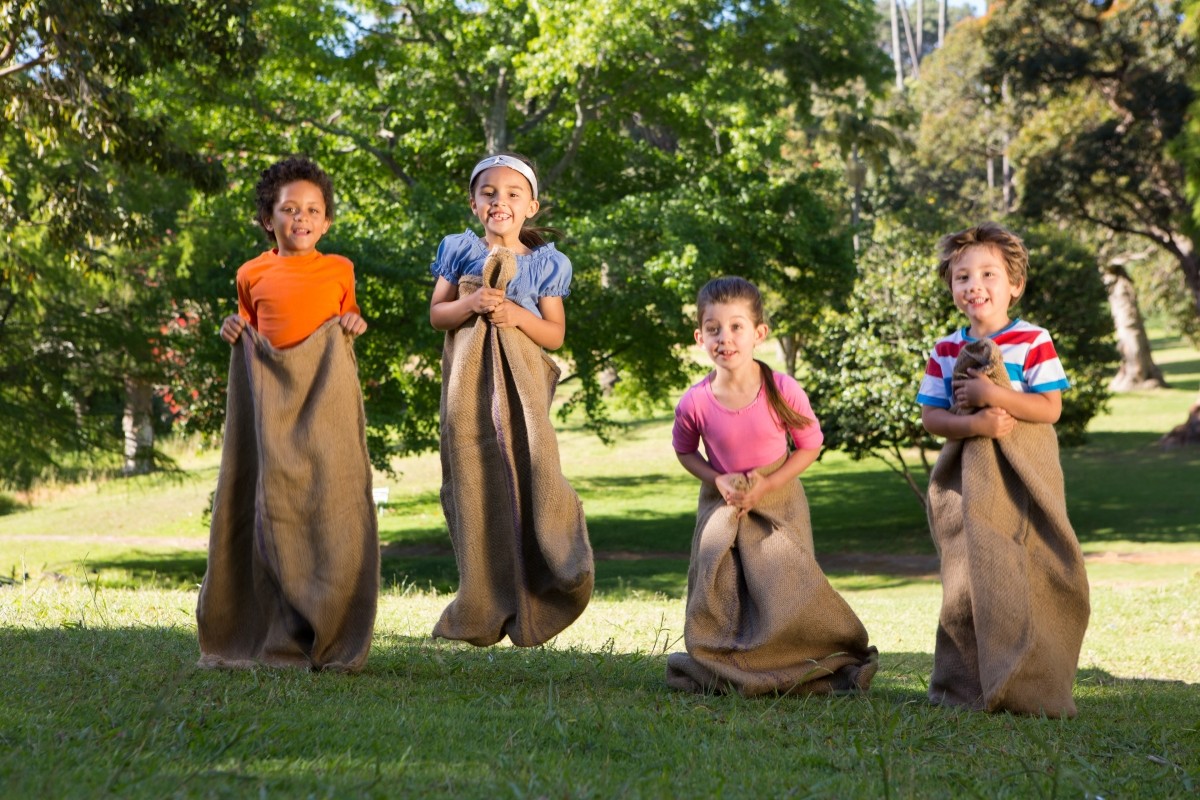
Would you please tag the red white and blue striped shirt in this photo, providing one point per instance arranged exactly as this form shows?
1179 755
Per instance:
1029 357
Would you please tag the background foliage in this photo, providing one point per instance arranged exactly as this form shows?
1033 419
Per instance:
675 141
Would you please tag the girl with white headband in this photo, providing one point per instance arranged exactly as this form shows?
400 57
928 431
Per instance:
518 530
504 197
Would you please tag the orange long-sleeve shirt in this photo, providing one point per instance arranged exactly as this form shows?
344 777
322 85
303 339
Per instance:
287 298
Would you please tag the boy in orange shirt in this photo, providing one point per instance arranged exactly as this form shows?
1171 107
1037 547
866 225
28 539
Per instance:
293 556
289 291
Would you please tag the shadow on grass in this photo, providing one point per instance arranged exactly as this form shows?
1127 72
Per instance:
176 569
1174 372
1122 487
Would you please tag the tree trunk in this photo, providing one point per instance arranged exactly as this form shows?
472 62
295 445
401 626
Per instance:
789 348
1006 170
920 28
495 127
1138 370
1185 250
138 426
942 21
913 55
896 62
856 176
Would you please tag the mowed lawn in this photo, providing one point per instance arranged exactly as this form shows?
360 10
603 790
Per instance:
97 637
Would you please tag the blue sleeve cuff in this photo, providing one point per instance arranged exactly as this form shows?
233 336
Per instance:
936 402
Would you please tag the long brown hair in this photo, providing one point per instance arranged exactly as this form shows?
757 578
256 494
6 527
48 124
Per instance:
732 289
532 236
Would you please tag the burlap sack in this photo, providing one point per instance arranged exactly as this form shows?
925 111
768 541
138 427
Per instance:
519 535
1014 589
761 616
293 554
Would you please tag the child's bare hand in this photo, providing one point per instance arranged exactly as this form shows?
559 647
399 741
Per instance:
506 314
994 423
485 300
973 392
754 494
731 486
232 327
353 324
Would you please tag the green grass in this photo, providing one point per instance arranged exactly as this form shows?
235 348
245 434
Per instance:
97 638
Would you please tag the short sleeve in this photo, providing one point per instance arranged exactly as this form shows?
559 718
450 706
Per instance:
933 386
1043 371
451 258
349 304
810 437
556 282
685 434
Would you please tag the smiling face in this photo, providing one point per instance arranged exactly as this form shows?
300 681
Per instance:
298 219
983 289
728 333
502 200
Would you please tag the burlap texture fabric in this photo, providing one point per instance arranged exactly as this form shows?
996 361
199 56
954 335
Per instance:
520 540
761 616
1014 589
293 554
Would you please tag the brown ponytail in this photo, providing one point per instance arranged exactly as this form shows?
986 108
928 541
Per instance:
785 416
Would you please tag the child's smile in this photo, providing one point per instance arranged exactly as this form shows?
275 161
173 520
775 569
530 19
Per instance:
502 201
728 334
983 290
298 220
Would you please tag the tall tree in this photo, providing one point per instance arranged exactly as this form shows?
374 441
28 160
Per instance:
956 159
1113 160
1112 81
665 114
77 149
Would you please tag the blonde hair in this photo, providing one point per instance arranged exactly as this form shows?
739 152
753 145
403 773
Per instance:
732 289
988 234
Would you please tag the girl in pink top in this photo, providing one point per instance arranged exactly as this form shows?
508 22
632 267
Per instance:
761 617
743 410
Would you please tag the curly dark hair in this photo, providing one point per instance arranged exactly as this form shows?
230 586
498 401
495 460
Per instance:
276 176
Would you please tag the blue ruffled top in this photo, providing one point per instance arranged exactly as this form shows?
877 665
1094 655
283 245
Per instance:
545 272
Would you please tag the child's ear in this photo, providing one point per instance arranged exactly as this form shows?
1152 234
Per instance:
761 332
534 205
699 336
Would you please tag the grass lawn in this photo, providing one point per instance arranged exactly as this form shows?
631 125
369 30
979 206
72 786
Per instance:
97 639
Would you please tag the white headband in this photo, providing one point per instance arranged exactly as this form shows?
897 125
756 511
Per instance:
510 162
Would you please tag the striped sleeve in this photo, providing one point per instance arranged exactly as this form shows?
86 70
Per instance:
1043 370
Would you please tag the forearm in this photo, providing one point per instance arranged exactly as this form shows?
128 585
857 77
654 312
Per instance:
945 423
449 315
791 469
1028 406
545 333
698 465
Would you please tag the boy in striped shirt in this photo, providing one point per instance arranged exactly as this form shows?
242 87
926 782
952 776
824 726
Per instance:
985 268
1014 588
